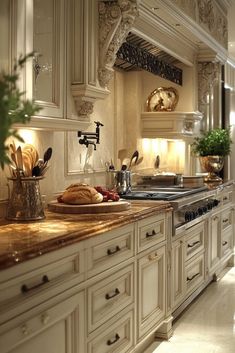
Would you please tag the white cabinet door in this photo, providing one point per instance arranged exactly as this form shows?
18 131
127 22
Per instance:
178 272
49 60
214 241
151 290
49 329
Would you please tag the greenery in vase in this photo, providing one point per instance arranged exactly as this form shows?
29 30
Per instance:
216 142
13 108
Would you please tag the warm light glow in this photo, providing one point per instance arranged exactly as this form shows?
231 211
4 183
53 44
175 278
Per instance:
29 136
232 118
163 146
146 144
155 146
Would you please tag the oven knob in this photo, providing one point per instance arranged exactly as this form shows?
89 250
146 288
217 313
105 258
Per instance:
187 216
200 211
215 202
204 209
210 205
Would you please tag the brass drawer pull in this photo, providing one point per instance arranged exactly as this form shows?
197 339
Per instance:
110 296
225 243
150 234
111 252
192 245
191 278
110 342
152 257
26 289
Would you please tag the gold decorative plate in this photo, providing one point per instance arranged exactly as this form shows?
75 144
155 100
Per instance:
162 99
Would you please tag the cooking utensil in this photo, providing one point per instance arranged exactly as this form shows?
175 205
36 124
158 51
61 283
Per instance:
140 160
47 155
157 162
134 158
122 155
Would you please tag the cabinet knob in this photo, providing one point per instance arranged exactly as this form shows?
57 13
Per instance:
45 318
152 257
24 330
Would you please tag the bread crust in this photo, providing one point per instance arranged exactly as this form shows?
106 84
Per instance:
81 194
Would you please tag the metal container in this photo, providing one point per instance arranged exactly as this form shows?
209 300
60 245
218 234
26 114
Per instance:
123 181
25 202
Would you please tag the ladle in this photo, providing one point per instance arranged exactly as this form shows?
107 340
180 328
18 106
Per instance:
135 157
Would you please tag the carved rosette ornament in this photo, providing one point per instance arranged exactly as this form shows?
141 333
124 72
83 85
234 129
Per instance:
83 108
115 21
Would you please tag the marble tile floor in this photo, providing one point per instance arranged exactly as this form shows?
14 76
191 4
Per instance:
208 324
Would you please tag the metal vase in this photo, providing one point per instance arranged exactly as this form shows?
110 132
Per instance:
212 165
25 202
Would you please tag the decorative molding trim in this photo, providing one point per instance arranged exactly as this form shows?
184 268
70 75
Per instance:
207 74
173 12
115 21
171 124
53 124
209 15
147 61
85 88
161 34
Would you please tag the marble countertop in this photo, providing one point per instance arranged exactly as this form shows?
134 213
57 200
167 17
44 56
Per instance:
21 241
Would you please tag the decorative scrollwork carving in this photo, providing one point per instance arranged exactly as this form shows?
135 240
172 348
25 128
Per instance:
84 108
207 75
115 21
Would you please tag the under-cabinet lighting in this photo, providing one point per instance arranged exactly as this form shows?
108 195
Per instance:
29 136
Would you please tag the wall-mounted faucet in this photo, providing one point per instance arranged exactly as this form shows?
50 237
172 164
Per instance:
88 136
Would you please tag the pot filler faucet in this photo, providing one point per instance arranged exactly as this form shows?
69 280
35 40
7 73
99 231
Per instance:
88 136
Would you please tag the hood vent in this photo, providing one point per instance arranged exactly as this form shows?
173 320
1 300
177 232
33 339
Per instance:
136 54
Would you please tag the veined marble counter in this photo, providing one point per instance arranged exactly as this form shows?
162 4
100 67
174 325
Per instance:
21 241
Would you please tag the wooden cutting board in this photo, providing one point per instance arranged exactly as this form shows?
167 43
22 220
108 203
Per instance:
103 207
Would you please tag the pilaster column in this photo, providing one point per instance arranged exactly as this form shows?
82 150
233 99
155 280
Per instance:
209 94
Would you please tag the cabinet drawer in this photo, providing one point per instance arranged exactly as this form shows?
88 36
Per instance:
227 243
43 329
117 338
194 240
40 275
108 297
151 231
195 273
227 197
226 219
110 249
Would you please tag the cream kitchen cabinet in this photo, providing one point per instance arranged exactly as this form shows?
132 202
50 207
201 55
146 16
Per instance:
151 290
221 233
178 272
214 242
56 326
188 263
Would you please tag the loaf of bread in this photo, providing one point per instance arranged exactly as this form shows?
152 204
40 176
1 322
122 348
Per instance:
81 194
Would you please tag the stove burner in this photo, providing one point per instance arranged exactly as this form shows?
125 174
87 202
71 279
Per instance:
150 196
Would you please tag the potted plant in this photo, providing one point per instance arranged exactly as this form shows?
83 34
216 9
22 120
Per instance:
211 148
13 108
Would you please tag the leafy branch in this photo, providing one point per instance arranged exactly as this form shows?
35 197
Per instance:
13 108
216 142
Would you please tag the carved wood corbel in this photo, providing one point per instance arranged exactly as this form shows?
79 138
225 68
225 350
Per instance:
115 21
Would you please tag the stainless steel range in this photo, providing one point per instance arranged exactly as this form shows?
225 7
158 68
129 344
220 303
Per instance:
190 205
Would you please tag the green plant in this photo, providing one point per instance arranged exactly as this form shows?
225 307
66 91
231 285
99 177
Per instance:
13 108
216 142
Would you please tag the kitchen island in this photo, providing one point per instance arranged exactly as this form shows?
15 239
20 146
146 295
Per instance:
91 282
